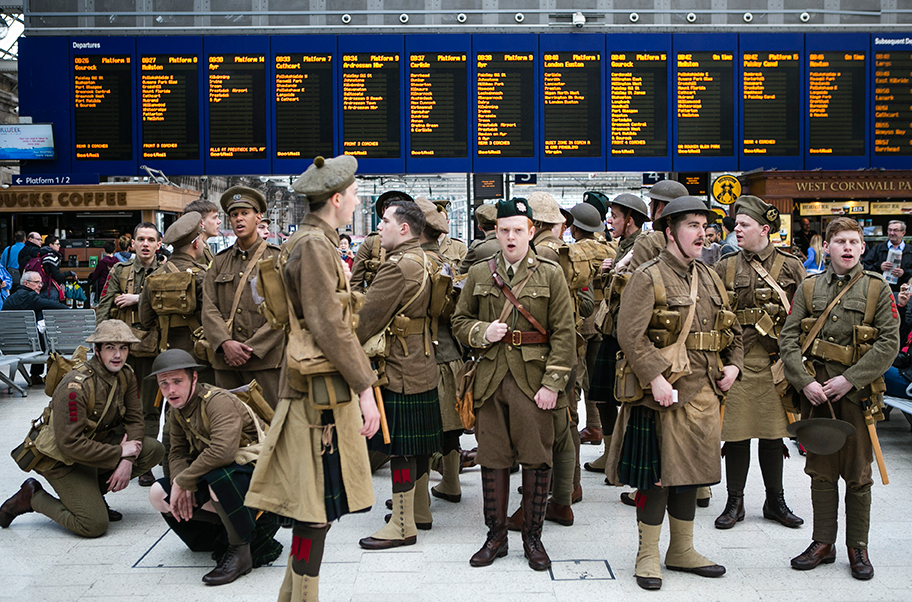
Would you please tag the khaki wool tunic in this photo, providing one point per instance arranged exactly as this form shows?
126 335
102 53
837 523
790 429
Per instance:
117 284
481 249
753 409
688 432
288 479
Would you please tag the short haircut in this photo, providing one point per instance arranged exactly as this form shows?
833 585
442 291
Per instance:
201 206
841 224
148 225
19 236
902 224
728 222
109 248
715 227
51 239
408 212
27 276
346 237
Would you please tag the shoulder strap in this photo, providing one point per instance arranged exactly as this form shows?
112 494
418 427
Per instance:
424 279
808 289
818 325
720 287
770 280
378 251
131 279
730 266
511 297
107 406
240 288
778 262
874 285
658 285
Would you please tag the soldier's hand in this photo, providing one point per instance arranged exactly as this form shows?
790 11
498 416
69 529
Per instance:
125 300
662 391
814 393
369 412
120 478
236 353
624 262
607 263
836 387
182 503
129 448
729 374
546 399
496 331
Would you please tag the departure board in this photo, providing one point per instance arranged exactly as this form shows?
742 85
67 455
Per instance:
170 107
639 104
303 109
705 104
836 103
505 92
237 106
893 103
438 104
573 104
370 105
103 111
771 114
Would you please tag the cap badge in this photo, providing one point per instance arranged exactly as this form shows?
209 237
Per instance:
236 197
771 214
521 207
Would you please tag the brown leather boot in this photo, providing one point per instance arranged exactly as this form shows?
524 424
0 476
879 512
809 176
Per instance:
236 562
816 554
591 435
860 563
776 509
733 513
20 503
535 498
558 513
515 522
495 485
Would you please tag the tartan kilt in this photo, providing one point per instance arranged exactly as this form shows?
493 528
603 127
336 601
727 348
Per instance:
640 464
414 424
601 381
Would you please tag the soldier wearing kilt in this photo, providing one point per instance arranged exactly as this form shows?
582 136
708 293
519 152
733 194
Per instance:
314 467
666 439
396 305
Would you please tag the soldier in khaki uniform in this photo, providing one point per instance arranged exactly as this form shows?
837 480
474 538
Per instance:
243 345
98 442
482 248
753 409
855 346
521 376
120 300
212 461
448 355
396 304
209 225
314 467
683 350
370 253
452 248
649 246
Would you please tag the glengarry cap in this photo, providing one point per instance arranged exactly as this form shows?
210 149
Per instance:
514 207
326 177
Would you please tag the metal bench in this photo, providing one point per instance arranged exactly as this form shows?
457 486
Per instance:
19 337
904 405
13 362
67 329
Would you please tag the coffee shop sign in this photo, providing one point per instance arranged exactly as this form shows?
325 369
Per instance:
107 198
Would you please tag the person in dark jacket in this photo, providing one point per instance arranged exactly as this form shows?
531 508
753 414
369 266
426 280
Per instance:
50 259
30 250
876 260
28 296
99 276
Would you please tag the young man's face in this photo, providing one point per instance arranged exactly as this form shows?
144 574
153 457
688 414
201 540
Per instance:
616 219
114 355
709 235
348 200
845 249
176 387
751 235
244 222
689 235
210 224
146 243
392 233
514 234
263 230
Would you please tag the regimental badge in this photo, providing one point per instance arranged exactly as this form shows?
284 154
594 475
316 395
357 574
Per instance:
237 197
521 207
771 214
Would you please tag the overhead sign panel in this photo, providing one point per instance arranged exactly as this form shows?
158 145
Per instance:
892 100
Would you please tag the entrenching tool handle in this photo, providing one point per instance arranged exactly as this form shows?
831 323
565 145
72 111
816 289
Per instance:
380 408
878 453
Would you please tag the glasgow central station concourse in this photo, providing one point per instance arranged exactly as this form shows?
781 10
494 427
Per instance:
115 113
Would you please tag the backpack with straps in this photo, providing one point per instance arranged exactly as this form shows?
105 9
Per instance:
173 297
50 288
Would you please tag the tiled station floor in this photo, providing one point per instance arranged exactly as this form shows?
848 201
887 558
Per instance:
140 559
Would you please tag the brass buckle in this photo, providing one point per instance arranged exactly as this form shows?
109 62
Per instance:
516 336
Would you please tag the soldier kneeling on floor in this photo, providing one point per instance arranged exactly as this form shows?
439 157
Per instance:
89 440
215 440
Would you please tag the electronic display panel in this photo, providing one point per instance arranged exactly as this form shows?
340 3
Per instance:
705 107
103 109
892 100
237 106
304 105
371 115
836 100
639 104
169 107
505 97
771 85
438 104
572 104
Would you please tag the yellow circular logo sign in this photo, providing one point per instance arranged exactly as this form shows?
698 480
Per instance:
726 189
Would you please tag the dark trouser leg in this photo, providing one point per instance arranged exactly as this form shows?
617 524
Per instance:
564 456
200 533
81 508
535 497
825 501
775 508
495 486
303 570
858 516
148 389
737 463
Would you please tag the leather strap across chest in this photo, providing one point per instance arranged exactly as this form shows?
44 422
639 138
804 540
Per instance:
518 337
